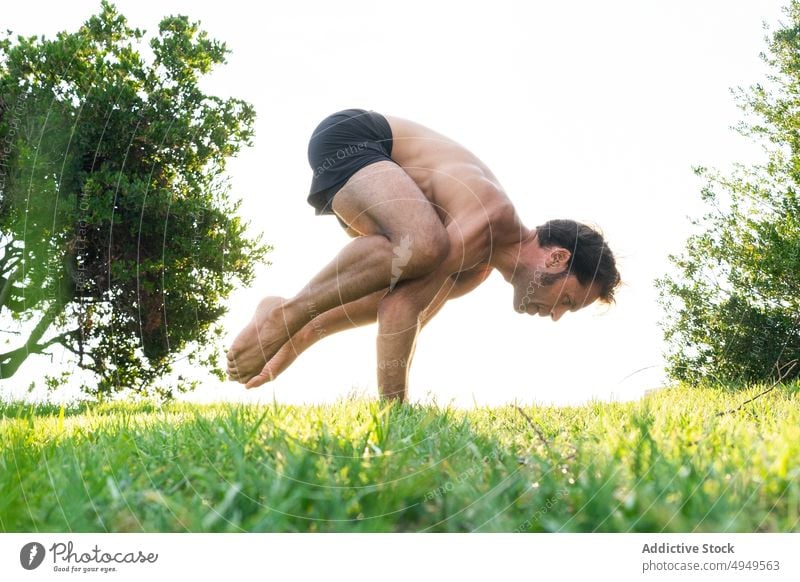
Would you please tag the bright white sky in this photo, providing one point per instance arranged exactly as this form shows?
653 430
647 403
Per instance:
586 110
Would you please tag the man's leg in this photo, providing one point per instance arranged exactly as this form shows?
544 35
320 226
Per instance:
364 311
398 221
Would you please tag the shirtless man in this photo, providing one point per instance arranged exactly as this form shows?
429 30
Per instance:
430 223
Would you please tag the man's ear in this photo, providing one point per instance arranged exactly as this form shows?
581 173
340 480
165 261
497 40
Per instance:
558 257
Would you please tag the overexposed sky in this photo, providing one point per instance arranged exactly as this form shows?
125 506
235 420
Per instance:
585 110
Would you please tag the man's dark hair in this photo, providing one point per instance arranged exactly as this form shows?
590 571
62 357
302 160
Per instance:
591 261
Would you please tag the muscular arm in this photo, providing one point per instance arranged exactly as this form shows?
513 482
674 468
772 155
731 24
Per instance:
398 325
458 285
404 312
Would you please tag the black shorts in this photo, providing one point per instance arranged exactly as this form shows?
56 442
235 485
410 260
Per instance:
340 146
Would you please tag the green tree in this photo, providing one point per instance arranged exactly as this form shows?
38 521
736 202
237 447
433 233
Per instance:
733 308
120 240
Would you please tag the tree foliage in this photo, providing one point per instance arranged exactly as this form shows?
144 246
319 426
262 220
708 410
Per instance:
120 239
733 308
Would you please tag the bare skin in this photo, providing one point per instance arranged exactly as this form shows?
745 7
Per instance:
428 228
358 313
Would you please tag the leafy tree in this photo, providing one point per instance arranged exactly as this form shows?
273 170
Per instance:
119 238
733 308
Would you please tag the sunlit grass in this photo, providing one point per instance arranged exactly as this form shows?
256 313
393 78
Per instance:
666 463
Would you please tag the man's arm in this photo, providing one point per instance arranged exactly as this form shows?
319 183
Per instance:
403 312
460 284
398 325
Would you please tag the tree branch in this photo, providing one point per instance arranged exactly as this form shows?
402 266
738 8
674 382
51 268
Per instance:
60 339
5 292
11 361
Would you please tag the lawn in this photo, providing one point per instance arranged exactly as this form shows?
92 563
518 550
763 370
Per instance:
666 463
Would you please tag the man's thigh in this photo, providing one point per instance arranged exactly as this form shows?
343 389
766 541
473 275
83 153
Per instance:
382 199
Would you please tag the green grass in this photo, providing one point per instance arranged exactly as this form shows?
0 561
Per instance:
666 463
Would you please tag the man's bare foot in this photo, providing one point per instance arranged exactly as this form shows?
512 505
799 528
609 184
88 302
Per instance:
284 358
258 341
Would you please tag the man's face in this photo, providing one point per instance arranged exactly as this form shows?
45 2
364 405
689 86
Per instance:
552 295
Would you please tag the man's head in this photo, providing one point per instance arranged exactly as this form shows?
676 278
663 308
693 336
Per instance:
567 266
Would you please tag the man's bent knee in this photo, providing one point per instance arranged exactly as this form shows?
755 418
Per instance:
418 254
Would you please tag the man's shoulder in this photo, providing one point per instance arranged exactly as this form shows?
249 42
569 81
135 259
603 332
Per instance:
502 214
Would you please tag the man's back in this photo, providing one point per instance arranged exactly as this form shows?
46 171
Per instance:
455 181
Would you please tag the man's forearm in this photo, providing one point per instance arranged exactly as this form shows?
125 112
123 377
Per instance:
398 325
402 313
395 345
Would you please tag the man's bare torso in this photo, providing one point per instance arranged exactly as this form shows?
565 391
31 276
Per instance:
466 195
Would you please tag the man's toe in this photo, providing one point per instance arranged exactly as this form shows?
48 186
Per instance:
233 373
